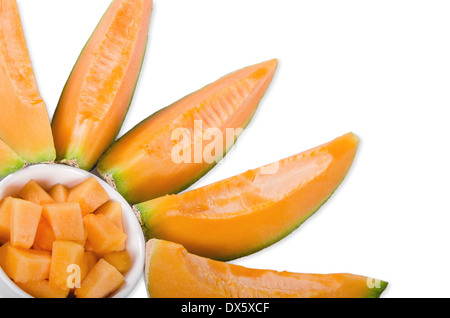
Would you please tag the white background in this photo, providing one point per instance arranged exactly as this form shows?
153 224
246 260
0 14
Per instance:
380 69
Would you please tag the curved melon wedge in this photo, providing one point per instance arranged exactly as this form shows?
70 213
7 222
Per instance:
98 93
248 212
172 272
9 160
150 160
24 122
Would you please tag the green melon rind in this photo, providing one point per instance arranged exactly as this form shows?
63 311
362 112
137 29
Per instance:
14 164
47 156
74 157
377 291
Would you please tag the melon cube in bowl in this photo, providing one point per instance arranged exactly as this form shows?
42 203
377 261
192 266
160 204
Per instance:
66 220
89 194
24 265
59 193
102 280
33 192
64 255
103 235
24 220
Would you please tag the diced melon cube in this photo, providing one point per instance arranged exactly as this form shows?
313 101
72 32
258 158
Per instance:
44 236
66 221
88 246
25 265
103 235
43 289
84 240
120 260
5 219
33 192
89 194
64 255
25 217
113 211
59 193
3 250
102 280
89 261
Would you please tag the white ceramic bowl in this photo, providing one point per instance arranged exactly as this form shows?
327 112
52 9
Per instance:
50 174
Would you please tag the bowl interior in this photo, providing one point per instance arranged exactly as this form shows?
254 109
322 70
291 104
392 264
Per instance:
49 174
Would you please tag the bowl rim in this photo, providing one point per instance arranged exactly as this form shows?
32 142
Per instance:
135 273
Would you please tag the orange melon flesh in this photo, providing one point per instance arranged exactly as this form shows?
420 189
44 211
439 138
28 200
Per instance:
44 237
65 220
89 194
120 260
33 192
24 123
88 246
5 219
172 272
24 265
64 254
98 93
245 213
141 164
9 161
25 217
102 280
59 193
103 235
43 289
113 211
88 262
83 241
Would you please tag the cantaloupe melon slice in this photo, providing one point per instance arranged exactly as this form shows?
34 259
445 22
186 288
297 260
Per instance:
98 93
103 235
59 193
64 254
5 219
44 236
43 289
89 194
172 272
66 221
102 280
33 192
120 260
25 217
245 213
9 161
142 165
24 122
24 265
